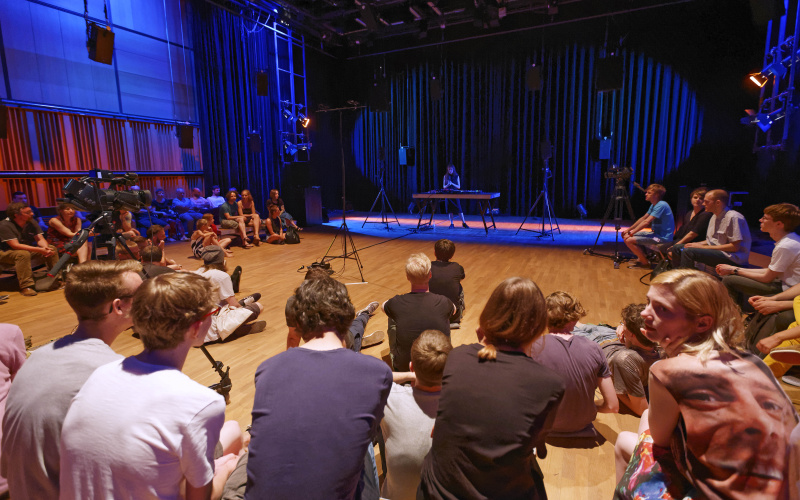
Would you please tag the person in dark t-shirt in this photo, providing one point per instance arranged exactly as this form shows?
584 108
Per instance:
412 313
446 278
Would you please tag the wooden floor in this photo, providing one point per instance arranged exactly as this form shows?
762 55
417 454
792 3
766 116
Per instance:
274 271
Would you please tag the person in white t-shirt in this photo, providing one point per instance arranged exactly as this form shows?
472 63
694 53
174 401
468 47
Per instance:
783 272
139 427
410 413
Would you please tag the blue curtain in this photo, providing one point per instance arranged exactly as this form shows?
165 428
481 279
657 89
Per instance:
229 51
491 126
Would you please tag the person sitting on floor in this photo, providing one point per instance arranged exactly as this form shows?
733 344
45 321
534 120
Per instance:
410 414
139 427
124 224
629 355
203 236
412 313
446 278
783 272
20 238
275 234
63 228
99 292
153 262
156 237
658 219
286 217
234 316
317 393
583 367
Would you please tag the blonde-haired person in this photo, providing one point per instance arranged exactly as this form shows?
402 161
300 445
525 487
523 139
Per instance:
141 428
719 423
496 405
412 313
203 237
247 209
584 368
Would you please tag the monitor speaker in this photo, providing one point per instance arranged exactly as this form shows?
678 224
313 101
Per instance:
262 83
609 74
407 157
101 44
185 136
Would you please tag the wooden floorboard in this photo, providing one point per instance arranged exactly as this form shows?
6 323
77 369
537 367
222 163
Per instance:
274 271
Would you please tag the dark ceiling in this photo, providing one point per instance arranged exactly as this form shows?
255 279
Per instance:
355 28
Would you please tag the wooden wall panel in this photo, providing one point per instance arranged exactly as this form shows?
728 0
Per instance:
15 151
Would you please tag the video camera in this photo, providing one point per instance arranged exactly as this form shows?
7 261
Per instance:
621 174
86 194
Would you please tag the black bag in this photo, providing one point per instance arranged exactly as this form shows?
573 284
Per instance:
292 236
663 266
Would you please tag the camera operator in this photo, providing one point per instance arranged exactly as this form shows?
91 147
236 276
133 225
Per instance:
658 219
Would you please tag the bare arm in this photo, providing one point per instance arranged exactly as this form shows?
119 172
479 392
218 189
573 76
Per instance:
691 235
762 275
231 301
767 344
610 401
59 226
16 245
664 413
640 224
636 404
727 247
403 377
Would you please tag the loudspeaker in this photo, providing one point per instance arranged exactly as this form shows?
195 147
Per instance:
3 122
533 78
185 136
436 90
262 83
609 74
407 157
600 149
379 96
254 143
101 44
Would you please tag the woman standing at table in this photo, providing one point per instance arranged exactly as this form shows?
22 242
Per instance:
453 181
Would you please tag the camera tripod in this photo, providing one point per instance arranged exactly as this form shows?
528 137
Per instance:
384 215
547 209
618 202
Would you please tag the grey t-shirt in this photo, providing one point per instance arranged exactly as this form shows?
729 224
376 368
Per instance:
731 227
630 368
35 409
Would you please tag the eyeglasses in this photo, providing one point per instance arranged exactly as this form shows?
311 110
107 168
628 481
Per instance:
211 313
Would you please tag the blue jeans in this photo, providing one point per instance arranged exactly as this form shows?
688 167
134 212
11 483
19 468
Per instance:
689 257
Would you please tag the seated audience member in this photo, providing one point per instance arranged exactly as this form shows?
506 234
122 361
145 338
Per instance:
286 217
275 234
719 424
410 413
497 405
12 356
583 367
234 316
156 236
63 228
653 229
146 216
694 228
783 348
203 236
100 294
412 313
336 403
247 209
153 262
215 199
124 225
162 207
139 427
355 339
131 248
446 278
229 218
185 209
201 204
629 355
727 239
20 197
20 238
783 272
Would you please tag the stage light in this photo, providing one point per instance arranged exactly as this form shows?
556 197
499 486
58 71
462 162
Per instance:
291 149
751 118
287 113
303 119
775 68
759 79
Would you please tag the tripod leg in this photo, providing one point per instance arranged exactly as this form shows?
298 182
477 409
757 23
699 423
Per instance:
373 207
529 212
386 198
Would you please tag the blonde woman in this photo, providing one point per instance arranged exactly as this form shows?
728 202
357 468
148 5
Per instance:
247 209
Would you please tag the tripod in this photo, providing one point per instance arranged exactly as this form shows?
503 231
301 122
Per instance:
343 231
547 209
384 215
618 201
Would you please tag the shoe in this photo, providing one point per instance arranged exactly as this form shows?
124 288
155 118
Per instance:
169 240
639 265
250 299
255 327
373 338
370 309
789 355
236 277
455 326
464 225
791 380
452 226
28 292
256 241
4 297
184 237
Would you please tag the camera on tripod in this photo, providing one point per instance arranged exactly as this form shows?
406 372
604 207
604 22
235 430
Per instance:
620 174
86 194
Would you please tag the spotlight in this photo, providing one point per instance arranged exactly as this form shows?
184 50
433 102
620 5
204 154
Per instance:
291 149
765 120
759 79
775 68
287 113
303 119
751 118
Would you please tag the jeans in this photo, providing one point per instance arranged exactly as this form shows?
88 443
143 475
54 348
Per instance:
689 257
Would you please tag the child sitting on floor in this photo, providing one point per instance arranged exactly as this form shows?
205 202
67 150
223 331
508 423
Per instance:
204 236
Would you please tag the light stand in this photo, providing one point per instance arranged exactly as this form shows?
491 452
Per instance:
384 215
224 386
547 209
343 231
618 201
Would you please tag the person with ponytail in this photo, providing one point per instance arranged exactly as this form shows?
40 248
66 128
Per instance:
496 405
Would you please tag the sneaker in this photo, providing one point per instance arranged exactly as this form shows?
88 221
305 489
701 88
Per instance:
4 297
639 265
370 309
28 292
169 240
791 380
373 338
250 299
464 225
789 355
455 326
184 238
236 277
256 327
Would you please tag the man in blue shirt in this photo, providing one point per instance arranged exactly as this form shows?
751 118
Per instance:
658 219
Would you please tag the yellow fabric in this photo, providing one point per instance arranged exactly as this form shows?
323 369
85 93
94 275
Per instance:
780 369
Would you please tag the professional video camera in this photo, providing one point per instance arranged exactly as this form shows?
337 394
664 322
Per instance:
86 194
619 173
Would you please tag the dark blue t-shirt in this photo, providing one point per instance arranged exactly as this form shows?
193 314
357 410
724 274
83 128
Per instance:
314 414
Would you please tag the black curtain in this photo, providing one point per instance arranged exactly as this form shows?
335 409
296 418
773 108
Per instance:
229 51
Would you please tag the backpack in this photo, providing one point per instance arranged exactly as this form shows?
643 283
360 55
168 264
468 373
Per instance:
292 236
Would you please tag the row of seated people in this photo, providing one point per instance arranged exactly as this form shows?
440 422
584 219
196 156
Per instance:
474 424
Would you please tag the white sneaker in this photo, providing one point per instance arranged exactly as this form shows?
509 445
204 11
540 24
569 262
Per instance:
370 309
789 379
373 338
